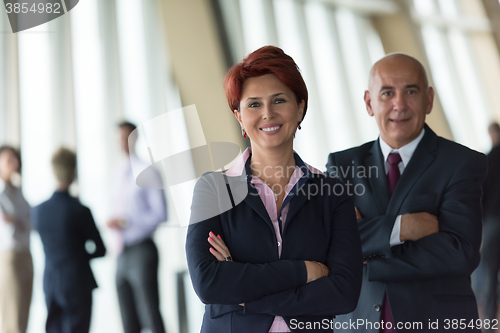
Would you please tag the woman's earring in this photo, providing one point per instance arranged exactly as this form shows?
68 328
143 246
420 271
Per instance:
243 133
299 127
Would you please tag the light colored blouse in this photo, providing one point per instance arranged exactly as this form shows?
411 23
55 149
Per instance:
12 203
143 209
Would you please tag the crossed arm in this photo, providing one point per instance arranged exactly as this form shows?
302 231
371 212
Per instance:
284 287
427 253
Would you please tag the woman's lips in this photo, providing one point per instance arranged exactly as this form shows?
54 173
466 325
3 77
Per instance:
271 128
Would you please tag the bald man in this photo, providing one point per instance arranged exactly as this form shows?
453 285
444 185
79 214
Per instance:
418 204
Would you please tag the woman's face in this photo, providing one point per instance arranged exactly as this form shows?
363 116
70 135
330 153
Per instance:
269 112
8 164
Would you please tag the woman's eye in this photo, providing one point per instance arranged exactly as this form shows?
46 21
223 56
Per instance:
253 105
279 100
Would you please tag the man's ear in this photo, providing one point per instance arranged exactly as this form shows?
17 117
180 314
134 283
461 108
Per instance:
368 103
430 100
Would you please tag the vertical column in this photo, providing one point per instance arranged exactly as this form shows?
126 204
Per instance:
357 62
113 104
293 38
257 20
96 135
37 110
9 90
62 76
4 78
335 107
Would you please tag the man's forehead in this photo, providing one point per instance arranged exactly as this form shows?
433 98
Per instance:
397 75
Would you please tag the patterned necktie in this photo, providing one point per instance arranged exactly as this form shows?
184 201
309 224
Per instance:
392 179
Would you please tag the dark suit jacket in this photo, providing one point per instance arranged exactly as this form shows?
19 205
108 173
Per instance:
65 226
318 227
428 278
491 188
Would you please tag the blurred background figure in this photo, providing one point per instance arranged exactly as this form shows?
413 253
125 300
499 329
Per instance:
137 214
70 239
16 266
490 251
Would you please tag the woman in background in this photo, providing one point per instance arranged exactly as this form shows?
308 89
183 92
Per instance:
16 266
287 255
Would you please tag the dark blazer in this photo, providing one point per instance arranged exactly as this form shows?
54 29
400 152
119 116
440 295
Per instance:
65 226
491 187
319 227
427 279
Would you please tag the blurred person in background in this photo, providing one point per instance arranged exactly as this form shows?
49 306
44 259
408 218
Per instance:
288 255
16 266
137 213
490 250
70 240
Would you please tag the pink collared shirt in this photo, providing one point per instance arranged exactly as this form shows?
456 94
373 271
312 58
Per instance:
268 198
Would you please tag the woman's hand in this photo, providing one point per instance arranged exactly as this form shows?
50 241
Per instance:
315 270
219 249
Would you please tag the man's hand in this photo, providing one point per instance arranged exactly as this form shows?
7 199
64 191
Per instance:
116 223
418 225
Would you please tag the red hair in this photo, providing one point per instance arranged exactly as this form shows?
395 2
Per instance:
266 60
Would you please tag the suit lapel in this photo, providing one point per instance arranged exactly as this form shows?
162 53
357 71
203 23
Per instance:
296 203
251 197
421 159
379 183
254 201
297 196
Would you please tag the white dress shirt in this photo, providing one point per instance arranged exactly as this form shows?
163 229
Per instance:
142 209
12 203
406 152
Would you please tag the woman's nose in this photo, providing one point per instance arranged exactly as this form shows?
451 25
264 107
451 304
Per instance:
267 111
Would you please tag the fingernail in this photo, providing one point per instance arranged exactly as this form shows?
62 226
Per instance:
210 238
211 233
212 249
219 236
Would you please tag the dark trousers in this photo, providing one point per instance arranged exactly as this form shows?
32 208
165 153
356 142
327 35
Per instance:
69 313
137 286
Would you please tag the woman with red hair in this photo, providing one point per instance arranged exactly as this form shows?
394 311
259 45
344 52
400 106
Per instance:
285 254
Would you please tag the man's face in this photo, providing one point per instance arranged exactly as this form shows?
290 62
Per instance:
399 99
124 134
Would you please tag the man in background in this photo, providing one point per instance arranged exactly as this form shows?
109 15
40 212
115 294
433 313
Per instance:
137 212
66 227
419 216
490 251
